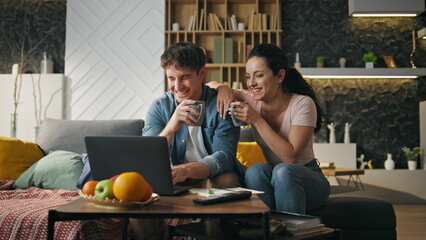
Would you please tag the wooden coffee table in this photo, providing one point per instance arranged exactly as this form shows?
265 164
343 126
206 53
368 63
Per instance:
166 207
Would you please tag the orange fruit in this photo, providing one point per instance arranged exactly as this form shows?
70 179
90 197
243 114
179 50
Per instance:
148 193
131 186
89 187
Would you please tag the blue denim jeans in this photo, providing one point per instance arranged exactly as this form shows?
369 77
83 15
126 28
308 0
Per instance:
289 187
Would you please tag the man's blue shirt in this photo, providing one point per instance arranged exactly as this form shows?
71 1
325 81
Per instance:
219 135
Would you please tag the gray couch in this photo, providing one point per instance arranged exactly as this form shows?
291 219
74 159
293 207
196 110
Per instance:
68 135
354 214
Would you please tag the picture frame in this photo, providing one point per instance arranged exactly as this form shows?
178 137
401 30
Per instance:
390 63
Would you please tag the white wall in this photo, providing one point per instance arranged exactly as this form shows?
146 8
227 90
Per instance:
40 97
112 57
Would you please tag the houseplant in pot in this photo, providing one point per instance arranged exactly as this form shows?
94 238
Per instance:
412 156
369 59
320 61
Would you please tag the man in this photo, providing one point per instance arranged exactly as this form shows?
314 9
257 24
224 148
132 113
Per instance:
202 156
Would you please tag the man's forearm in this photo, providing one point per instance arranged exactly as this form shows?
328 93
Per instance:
168 134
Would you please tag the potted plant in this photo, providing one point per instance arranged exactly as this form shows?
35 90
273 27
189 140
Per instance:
411 155
320 61
369 59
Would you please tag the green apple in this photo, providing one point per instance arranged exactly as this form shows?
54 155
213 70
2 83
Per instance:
104 189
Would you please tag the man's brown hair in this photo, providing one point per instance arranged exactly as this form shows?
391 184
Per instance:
185 55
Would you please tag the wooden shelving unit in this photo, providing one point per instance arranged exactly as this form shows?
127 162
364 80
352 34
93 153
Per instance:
226 46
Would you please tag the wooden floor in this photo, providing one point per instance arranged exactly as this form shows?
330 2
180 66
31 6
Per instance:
410 222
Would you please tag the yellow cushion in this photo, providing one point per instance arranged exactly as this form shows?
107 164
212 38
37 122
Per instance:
16 156
249 153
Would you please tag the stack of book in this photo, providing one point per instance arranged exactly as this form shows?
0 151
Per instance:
299 224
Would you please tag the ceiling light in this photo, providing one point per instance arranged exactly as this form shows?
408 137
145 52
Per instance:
386 8
354 76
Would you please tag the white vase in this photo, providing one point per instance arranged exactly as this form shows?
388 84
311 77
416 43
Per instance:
389 163
13 125
412 165
369 64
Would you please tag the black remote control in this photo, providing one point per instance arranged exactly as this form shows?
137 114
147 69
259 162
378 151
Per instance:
223 197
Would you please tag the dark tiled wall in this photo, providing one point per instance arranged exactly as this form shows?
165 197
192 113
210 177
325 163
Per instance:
383 112
40 19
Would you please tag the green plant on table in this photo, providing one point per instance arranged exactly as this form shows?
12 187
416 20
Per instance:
369 57
411 154
320 59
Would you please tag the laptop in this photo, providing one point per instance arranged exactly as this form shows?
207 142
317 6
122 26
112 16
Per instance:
149 156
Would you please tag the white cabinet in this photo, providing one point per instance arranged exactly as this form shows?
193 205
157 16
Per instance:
43 92
342 154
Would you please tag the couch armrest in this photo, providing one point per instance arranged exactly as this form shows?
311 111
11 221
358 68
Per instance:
68 135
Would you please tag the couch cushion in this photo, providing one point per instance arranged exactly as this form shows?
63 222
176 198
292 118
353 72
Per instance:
68 135
16 156
249 153
353 212
57 170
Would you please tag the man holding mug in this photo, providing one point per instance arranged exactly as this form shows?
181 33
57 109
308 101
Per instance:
202 144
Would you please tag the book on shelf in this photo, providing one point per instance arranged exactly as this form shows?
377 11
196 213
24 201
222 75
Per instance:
327 165
296 220
200 26
229 50
234 22
302 231
190 24
217 50
218 23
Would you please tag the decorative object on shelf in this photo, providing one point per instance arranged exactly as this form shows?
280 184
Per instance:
46 65
331 126
320 61
347 138
241 26
414 49
175 27
297 64
390 63
13 125
342 62
412 155
389 163
369 59
361 161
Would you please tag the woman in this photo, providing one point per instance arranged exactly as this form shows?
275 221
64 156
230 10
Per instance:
284 113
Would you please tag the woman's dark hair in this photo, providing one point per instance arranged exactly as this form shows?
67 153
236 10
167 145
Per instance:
186 55
293 82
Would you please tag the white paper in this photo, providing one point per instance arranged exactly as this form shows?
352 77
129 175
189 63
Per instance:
221 191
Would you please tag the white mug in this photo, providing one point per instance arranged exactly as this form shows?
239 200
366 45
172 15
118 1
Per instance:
175 27
241 26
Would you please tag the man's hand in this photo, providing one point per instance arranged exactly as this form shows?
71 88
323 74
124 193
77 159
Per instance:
196 170
179 173
181 115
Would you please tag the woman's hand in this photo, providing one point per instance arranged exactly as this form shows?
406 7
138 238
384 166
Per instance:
225 97
245 113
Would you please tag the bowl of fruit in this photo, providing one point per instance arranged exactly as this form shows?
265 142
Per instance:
126 190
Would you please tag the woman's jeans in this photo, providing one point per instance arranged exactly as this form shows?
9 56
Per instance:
289 187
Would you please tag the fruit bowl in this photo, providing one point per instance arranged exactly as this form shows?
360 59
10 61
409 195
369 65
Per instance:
114 203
